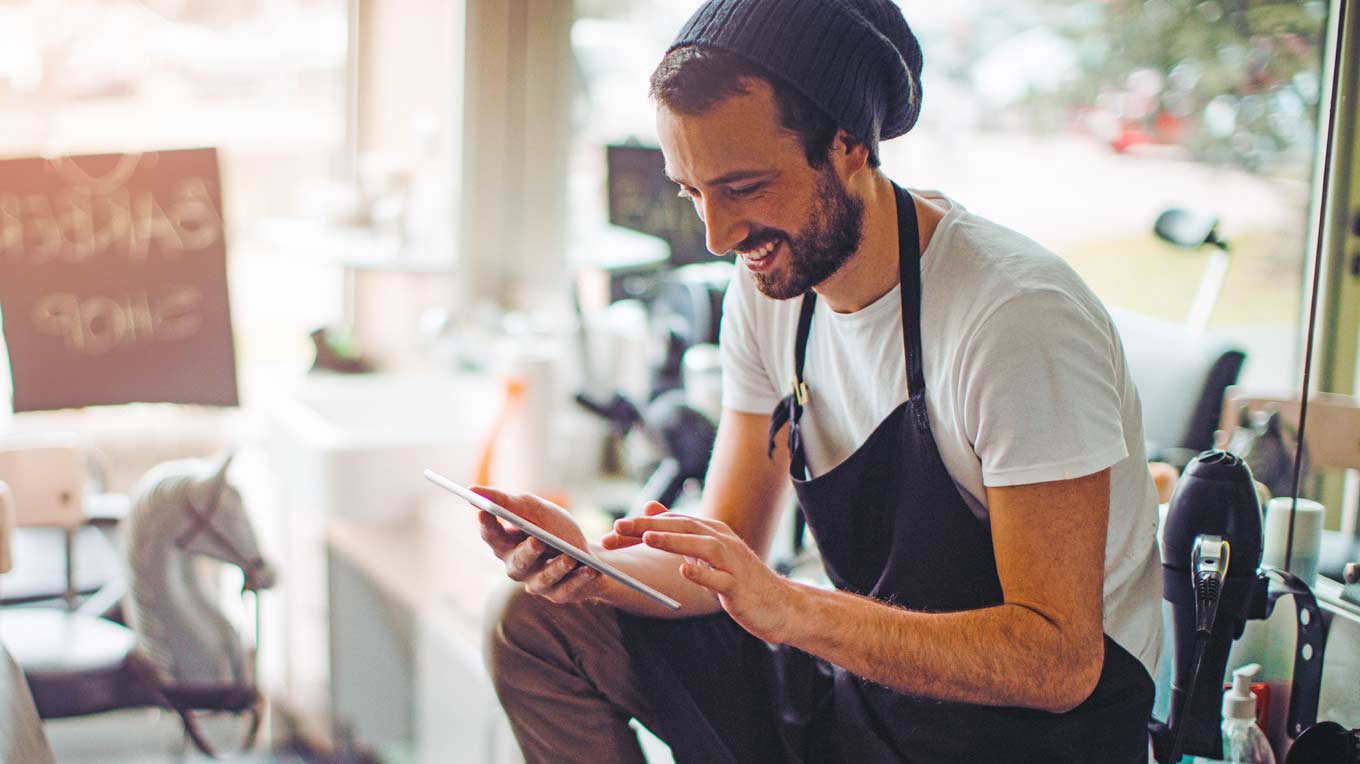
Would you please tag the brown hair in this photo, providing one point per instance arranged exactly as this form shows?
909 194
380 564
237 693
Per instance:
692 79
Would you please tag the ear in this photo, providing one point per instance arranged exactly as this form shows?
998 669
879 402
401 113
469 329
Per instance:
849 154
211 485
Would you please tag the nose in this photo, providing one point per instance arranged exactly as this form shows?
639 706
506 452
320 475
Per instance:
259 577
723 229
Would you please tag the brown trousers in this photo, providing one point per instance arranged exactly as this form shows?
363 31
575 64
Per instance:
563 676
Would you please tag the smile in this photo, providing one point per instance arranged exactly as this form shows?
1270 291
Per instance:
755 258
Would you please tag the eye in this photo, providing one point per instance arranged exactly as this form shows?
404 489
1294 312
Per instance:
686 193
744 191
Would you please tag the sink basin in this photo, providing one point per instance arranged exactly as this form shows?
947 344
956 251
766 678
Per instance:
354 447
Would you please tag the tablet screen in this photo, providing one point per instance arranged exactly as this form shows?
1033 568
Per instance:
576 553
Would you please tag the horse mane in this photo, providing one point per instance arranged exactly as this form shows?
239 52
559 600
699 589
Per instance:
157 502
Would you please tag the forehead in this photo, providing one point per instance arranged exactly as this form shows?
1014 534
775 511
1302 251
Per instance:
739 133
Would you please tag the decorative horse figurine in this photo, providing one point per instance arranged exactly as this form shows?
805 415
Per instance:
182 511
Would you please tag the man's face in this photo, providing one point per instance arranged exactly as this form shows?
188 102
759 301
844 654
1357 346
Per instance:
794 225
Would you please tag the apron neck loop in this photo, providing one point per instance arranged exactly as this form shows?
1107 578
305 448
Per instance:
909 278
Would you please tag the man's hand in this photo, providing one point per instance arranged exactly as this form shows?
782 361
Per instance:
616 540
757 598
544 571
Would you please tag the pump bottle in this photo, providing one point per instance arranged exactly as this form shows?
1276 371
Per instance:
1243 741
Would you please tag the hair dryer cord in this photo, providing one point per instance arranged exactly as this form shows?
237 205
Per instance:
1201 647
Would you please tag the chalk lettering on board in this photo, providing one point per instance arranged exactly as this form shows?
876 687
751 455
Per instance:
59 314
194 216
113 280
176 315
102 323
45 241
117 225
96 325
152 224
76 176
80 225
11 229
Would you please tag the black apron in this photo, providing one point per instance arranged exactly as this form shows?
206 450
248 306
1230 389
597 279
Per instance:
890 524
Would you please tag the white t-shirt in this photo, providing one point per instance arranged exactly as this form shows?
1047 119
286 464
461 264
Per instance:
1026 382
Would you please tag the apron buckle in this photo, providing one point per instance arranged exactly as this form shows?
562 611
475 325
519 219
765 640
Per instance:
800 391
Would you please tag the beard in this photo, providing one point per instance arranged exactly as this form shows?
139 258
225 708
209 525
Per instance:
828 241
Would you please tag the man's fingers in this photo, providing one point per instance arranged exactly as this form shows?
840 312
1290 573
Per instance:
620 539
716 580
525 559
636 526
706 548
576 585
498 497
550 575
497 536
612 540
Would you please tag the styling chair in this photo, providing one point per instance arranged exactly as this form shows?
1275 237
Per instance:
76 661
69 560
1181 377
21 732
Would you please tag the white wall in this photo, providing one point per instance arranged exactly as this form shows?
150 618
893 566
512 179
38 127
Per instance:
499 76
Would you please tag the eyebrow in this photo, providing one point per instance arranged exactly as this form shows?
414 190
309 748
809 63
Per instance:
732 177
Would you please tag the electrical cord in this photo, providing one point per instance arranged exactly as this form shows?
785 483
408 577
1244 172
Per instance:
1201 647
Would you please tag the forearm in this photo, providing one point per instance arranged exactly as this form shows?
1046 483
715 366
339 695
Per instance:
661 571
1009 655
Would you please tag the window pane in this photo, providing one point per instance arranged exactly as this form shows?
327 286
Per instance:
1075 122
264 82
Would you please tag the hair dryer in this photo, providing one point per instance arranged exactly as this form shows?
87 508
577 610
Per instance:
1211 549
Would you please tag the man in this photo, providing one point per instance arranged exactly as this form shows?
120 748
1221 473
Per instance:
960 430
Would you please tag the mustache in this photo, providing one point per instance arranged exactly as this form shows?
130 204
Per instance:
760 239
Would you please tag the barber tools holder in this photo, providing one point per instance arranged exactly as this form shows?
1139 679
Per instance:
1328 742
1211 552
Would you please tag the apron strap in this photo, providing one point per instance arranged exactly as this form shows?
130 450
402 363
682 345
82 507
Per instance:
804 329
790 410
909 277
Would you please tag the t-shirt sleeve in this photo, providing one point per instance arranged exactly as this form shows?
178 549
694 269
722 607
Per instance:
1040 397
746 385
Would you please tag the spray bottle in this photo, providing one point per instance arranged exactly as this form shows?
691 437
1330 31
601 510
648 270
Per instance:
1243 741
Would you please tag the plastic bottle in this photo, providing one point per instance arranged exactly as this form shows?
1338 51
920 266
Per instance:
1243 741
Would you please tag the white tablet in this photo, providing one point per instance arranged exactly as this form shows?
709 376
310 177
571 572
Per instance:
580 555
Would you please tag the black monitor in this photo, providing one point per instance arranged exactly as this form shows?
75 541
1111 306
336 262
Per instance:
642 198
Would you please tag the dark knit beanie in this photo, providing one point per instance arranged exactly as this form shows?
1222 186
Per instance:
856 59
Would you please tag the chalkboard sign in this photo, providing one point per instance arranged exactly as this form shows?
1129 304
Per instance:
113 282
642 198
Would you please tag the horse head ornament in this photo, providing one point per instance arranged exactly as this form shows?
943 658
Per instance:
184 512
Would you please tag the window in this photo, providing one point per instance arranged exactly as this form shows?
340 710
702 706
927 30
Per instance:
1075 122
262 82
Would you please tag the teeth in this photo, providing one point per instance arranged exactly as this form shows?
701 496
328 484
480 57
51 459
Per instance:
761 252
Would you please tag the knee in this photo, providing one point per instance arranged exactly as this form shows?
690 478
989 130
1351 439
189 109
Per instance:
513 616
522 633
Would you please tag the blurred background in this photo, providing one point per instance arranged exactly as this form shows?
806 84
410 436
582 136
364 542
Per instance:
446 244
